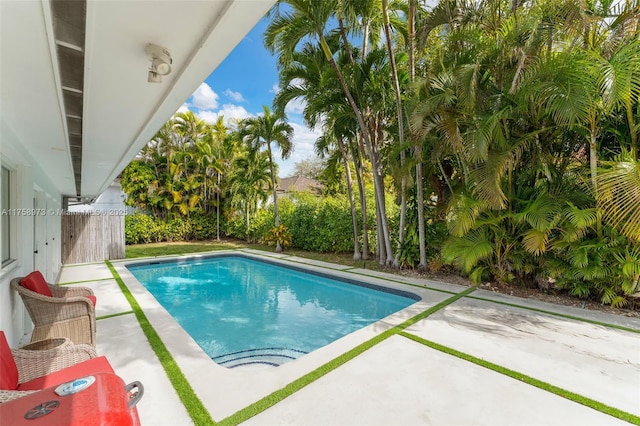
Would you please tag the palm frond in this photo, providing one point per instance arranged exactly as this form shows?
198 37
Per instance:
619 195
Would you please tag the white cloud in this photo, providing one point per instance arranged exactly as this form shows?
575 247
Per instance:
295 106
204 98
209 116
304 139
234 96
232 113
275 88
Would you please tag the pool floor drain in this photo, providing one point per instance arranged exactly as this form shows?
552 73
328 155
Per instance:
265 356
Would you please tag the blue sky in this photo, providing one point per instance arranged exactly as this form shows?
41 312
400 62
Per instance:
241 85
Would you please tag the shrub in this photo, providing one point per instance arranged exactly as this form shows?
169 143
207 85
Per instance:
140 228
279 234
203 227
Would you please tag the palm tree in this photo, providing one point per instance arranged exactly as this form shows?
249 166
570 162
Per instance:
189 127
309 77
248 178
400 118
263 131
309 18
219 133
411 36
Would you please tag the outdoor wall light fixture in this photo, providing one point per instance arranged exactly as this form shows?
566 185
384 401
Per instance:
160 62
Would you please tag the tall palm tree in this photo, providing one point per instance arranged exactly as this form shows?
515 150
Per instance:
309 19
400 118
309 77
248 178
411 41
219 133
262 131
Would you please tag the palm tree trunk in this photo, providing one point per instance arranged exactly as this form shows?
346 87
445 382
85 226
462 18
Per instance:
382 254
275 199
246 209
345 40
420 195
593 161
367 141
363 200
396 87
411 22
218 210
352 203
383 229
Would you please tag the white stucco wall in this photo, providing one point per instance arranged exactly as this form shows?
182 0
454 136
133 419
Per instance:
30 187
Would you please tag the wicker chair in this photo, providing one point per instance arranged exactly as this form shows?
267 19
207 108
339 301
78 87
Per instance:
69 313
36 360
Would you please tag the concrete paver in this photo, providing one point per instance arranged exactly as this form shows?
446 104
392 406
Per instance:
110 299
90 271
598 362
122 341
401 382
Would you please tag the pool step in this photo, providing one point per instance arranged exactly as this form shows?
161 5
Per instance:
265 356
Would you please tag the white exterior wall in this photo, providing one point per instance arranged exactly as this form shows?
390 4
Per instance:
29 186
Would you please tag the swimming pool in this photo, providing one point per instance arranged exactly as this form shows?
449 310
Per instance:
244 311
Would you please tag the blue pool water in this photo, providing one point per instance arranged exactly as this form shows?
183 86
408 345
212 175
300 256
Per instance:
243 311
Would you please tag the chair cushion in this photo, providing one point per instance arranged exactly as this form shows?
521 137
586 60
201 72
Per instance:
85 368
93 300
8 369
36 282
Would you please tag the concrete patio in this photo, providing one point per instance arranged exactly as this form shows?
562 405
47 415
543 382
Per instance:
400 380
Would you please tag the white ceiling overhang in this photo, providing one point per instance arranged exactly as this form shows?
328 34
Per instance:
121 111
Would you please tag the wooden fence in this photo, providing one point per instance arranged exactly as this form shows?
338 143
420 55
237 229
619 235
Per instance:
92 237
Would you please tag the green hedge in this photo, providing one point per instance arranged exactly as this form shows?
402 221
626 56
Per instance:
320 224
140 228
315 224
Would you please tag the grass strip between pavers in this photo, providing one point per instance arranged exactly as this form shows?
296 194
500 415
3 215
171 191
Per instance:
277 396
197 411
557 314
596 405
119 314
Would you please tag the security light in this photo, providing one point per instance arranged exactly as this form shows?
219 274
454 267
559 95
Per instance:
160 62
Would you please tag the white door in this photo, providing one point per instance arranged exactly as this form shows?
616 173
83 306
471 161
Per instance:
39 233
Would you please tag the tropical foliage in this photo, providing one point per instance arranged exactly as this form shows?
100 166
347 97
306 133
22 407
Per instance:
515 126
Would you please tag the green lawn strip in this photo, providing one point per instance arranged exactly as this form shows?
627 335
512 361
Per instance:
114 315
557 314
599 406
277 396
197 411
85 281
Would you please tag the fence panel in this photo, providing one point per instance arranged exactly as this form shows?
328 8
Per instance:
90 237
